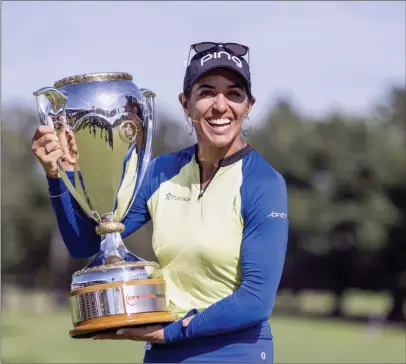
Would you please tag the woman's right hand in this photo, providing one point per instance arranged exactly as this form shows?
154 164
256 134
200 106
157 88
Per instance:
48 148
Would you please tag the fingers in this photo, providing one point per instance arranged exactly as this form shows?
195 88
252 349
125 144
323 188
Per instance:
122 334
38 145
151 333
48 147
108 337
41 131
68 145
62 119
73 148
63 139
49 162
143 333
45 141
131 334
187 320
71 139
47 129
45 134
52 158
126 334
51 146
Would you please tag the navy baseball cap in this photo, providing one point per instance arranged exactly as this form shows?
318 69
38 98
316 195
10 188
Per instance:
216 57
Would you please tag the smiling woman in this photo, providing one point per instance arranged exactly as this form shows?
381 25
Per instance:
220 222
217 104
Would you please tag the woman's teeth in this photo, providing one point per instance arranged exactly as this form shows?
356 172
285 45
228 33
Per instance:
219 122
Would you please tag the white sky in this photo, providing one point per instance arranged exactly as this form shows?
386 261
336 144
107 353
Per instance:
323 55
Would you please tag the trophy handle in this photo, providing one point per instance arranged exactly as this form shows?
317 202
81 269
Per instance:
52 102
150 121
149 118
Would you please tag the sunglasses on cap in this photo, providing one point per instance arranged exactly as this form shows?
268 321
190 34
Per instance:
234 48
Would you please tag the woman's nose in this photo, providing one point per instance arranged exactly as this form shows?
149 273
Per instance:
220 103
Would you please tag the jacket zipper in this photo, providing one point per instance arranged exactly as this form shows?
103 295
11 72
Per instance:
203 190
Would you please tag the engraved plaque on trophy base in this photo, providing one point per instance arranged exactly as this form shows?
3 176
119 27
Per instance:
110 306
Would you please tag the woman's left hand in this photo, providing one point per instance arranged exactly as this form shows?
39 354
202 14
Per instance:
151 333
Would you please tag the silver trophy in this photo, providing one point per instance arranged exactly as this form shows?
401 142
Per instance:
111 121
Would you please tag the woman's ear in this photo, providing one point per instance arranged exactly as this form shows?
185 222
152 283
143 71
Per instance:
251 102
183 101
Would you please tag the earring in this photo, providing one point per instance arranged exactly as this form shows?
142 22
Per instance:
190 124
244 131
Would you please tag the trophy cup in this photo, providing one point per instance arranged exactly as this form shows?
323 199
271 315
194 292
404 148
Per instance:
112 122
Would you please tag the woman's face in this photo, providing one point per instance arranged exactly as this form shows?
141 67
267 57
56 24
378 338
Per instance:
218 104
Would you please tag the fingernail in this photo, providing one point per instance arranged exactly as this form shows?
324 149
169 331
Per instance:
120 332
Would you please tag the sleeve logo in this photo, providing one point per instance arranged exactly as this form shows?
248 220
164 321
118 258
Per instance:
278 215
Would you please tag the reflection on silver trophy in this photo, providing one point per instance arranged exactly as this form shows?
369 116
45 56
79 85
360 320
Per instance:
112 121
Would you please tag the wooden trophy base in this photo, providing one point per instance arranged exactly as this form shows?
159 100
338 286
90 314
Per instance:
88 329
107 307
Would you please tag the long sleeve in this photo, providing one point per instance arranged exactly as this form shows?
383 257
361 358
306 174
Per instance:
76 228
264 243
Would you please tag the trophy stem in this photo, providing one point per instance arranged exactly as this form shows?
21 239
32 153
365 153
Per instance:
108 225
112 245
112 248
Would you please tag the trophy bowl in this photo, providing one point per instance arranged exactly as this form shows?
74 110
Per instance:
112 123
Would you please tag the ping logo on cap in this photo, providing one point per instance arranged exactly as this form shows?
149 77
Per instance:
218 55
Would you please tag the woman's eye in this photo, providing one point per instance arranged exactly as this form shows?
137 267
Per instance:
206 93
235 93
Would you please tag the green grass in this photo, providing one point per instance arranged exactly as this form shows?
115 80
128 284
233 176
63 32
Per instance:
354 302
44 338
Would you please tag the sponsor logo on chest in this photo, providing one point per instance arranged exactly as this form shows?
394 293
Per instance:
171 197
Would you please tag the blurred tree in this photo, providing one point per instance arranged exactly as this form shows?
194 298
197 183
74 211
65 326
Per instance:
392 117
27 218
338 171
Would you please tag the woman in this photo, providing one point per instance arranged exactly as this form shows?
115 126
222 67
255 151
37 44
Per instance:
220 226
